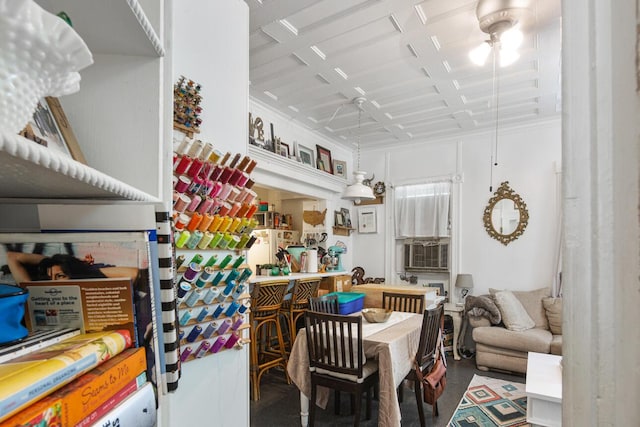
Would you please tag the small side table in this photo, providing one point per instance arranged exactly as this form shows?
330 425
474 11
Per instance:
455 311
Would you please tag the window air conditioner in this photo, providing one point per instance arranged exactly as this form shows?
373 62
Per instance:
426 254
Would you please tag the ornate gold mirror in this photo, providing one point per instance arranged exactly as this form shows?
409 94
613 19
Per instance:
506 215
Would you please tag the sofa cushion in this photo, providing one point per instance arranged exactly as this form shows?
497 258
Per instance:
538 340
514 316
556 345
553 309
532 302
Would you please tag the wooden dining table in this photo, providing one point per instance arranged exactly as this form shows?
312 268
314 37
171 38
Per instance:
393 344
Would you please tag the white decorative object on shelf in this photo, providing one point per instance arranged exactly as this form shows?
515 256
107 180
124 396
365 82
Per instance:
40 55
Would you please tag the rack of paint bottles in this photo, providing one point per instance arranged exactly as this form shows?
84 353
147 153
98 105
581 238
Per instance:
213 207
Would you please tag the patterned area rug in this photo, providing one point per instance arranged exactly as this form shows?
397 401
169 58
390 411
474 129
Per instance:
489 402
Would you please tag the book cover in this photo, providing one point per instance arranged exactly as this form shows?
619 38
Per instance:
70 404
92 305
36 340
138 410
28 378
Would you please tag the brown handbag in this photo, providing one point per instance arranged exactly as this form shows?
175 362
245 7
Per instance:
434 382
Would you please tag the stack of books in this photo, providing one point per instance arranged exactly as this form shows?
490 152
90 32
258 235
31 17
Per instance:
65 378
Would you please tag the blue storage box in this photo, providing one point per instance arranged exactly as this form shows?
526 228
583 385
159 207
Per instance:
12 307
349 302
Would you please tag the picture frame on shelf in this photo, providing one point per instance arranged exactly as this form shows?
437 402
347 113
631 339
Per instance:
50 127
340 168
306 155
284 150
346 217
367 221
324 159
339 219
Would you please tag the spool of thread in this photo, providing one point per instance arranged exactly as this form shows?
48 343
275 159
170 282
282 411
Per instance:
231 310
249 183
180 334
192 272
184 317
231 284
196 148
196 183
226 260
193 297
237 323
253 223
202 349
207 169
204 209
218 311
252 164
225 191
195 168
215 156
215 224
243 241
217 171
238 291
232 340
195 202
233 195
225 293
205 277
226 223
195 331
226 323
182 239
206 151
206 188
196 218
235 160
225 158
224 242
217 278
246 304
244 162
206 239
179 261
233 273
183 184
209 330
242 180
216 240
216 189
235 207
185 353
233 243
224 209
195 238
181 221
235 223
250 242
238 262
183 288
246 273
215 208
211 261
202 314
218 344
183 146
252 209
225 175
197 258
235 177
242 212
210 295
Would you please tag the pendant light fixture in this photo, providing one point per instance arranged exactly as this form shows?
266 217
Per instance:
358 191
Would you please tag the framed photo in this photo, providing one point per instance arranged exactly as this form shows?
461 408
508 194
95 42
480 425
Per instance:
49 127
340 168
339 219
367 222
324 159
346 217
284 150
306 155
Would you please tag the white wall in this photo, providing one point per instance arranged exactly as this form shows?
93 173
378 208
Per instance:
527 159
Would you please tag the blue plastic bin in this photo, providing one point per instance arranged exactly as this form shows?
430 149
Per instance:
349 302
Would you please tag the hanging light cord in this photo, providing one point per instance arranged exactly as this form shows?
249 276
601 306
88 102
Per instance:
495 44
358 147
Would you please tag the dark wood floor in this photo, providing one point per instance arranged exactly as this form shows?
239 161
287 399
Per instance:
279 404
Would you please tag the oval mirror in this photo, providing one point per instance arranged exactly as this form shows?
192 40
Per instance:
506 215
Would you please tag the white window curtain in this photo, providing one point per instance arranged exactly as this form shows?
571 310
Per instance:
422 210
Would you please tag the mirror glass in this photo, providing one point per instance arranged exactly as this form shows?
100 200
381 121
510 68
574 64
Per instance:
506 215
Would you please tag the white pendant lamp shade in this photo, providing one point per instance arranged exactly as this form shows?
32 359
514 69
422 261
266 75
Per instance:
358 191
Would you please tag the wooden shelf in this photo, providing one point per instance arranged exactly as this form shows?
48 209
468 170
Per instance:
379 200
342 231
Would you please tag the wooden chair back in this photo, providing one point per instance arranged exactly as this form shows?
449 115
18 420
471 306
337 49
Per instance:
303 290
335 342
408 303
432 323
325 304
267 297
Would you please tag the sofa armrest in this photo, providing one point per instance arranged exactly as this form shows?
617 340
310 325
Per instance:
478 321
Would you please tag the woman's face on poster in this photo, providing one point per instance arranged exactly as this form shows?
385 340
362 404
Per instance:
55 273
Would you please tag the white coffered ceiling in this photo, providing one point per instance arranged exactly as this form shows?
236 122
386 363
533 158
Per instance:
310 58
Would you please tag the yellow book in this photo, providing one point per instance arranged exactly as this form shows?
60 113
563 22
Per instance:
31 377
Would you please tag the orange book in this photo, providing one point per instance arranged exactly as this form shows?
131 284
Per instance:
69 405
29 378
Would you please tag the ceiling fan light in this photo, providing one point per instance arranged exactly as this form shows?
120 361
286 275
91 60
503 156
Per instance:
508 57
511 39
358 191
480 54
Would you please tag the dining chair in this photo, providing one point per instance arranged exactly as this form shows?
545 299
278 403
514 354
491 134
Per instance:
266 300
427 357
409 303
325 304
293 308
337 360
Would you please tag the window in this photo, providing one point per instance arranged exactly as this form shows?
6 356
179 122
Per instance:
422 210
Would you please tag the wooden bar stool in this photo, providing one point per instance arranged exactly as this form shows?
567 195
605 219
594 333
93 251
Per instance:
266 300
292 309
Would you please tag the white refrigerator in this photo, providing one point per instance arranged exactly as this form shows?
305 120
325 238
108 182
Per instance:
267 243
